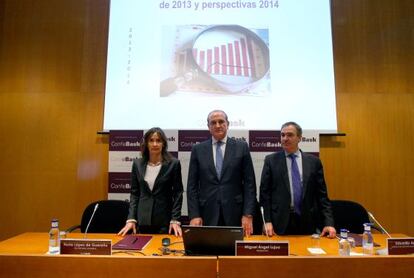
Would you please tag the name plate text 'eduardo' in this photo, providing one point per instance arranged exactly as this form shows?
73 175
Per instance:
400 246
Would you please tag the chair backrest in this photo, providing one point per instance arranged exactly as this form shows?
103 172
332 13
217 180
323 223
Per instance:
349 215
110 216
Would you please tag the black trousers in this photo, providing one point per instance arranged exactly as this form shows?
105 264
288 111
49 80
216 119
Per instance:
221 218
295 226
153 229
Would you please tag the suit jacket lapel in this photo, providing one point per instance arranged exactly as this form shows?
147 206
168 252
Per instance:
285 172
207 154
162 172
142 168
305 173
228 154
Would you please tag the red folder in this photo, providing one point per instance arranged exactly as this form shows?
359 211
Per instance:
132 242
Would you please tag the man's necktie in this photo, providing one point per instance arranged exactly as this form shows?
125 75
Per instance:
296 184
219 158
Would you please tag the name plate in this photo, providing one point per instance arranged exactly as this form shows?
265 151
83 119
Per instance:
400 246
86 246
262 248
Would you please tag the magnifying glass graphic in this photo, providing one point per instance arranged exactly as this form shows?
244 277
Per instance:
226 58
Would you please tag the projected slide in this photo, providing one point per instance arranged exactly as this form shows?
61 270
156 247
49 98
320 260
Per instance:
217 59
264 62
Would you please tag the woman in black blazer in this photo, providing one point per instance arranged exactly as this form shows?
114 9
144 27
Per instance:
156 188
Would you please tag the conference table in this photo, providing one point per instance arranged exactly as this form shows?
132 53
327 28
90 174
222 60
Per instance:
26 255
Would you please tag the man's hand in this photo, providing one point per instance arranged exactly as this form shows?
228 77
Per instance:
329 231
247 224
198 221
269 229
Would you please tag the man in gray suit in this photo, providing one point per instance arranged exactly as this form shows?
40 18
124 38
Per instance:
221 189
293 191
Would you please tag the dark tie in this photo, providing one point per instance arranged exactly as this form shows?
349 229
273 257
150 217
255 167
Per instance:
219 158
296 184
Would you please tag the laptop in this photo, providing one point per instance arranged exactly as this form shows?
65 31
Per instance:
210 240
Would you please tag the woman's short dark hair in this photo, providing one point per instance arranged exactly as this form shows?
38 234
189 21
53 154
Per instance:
166 156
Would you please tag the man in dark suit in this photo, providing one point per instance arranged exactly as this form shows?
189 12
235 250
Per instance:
293 191
221 189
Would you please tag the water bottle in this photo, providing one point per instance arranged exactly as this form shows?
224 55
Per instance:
54 237
344 245
367 240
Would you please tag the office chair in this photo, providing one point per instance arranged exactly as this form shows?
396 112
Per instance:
110 217
349 215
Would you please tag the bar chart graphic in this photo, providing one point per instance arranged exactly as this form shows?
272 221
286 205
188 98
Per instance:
225 56
231 59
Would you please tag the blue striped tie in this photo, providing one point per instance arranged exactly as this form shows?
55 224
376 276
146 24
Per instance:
296 184
219 158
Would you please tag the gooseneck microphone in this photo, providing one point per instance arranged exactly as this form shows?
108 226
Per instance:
90 220
382 251
264 222
379 224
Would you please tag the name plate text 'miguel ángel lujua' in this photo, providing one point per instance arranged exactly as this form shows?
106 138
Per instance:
262 248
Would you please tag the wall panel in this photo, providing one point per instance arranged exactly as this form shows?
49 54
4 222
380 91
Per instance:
374 62
52 57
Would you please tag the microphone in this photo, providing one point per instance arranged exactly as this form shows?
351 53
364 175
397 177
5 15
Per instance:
90 220
382 251
379 224
264 223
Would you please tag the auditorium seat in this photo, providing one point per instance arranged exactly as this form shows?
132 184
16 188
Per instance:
349 215
110 217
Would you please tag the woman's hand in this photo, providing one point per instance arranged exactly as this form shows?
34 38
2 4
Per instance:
128 226
176 228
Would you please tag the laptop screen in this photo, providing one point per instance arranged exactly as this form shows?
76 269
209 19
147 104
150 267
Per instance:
210 240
